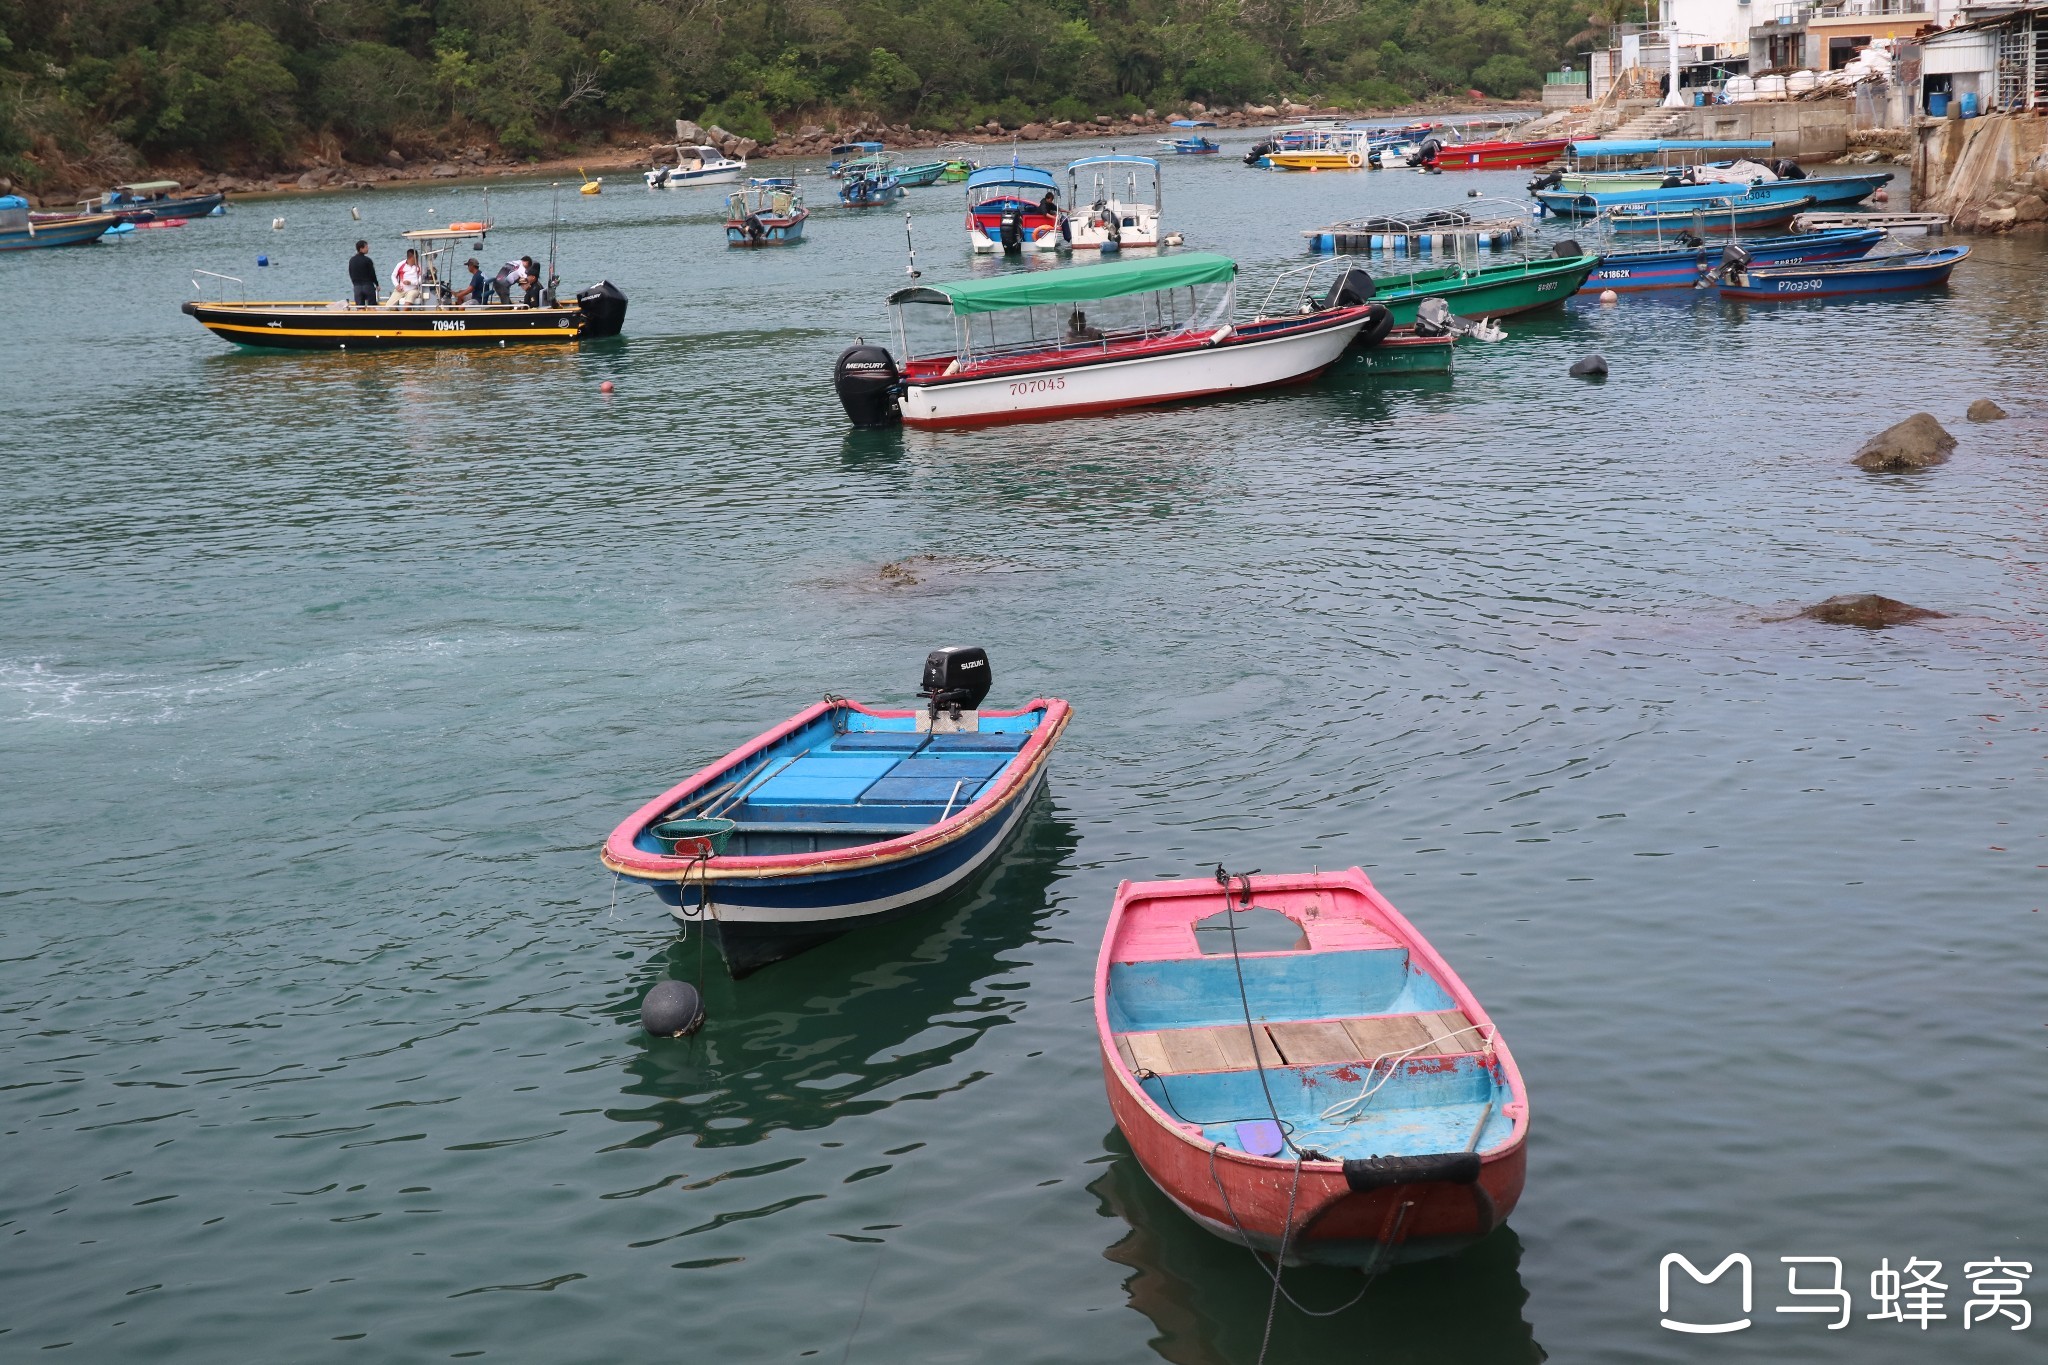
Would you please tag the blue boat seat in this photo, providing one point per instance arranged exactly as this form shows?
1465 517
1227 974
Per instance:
823 779
1004 741
891 741
924 791
951 768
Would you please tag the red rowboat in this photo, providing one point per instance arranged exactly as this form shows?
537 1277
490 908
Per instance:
1488 156
1345 1100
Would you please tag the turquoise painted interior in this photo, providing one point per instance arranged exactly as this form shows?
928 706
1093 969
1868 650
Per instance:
876 779
1202 992
1419 1113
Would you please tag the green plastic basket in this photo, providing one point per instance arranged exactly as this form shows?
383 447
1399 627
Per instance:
693 838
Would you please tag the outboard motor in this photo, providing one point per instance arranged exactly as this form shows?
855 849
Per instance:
1733 265
604 310
868 382
1259 149
1568 247
1546 182
1690 238
1351 288
1010 231
1426 154
1788 169
1433 318
1672 181
956 679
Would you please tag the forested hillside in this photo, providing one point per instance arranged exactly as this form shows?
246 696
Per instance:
247 82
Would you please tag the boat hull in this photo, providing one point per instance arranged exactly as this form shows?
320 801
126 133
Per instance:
338 327
1681 268
1709 219
1881 276
1492 292
1497 156
678 180
1261 356
71 232
773 231
1823 190
1404 352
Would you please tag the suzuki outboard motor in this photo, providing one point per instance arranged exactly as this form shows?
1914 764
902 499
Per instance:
1734 261
868 382
1010 231
956 679
1350 289
604 310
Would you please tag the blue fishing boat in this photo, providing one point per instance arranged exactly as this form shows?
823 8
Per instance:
1191 146
1012 207
1737 277
1680 267
18 233
870 189
843 816
1726 215
145 200
769 211
1823 190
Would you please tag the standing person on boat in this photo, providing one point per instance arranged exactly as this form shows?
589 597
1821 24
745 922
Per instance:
362 273
533 285
405 277
509 274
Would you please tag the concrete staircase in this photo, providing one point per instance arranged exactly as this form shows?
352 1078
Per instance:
1651 123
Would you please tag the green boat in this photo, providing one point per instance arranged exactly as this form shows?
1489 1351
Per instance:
916 177
1402 352
1490 291
957 171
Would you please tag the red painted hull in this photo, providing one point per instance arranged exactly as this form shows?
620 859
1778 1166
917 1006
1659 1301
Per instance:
1499 156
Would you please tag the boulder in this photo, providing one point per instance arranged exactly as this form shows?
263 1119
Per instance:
1984 410
1915 443
686 131
394 157
743 147
1591 367
1867 611
809 131
1032 132
1196 107
2031 209
444 171
1103 120
1992 220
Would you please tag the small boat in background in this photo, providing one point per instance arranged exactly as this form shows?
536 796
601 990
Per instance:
1488 291
843 816
1192 146
1475 225
1737 277
767 212
1717 216
872 186
847 152
917 177
18 232
148 200
1839 190
1300 1071
1118 206
1011 207
1681 266
696 166
1436 154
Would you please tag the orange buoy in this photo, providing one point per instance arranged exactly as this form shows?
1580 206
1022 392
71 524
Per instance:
605 387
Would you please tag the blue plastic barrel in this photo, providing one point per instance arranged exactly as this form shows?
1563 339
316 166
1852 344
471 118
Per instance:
1699 98
1969 102
1937 104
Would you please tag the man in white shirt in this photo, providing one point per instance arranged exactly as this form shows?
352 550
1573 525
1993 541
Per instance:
405 279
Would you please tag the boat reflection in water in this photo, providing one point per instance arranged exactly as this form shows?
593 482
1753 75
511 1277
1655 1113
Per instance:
1209 1300
808 1044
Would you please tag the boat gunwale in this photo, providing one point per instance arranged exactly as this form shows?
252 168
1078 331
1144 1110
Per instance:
619 854
1383 917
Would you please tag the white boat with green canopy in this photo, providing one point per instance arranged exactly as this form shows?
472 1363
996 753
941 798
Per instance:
1061 342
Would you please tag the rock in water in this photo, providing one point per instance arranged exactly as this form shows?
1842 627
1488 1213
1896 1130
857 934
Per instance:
1984 410
1869 611
672 1009
1915 443
1591 367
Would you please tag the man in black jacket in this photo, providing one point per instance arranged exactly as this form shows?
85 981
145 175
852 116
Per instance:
362 273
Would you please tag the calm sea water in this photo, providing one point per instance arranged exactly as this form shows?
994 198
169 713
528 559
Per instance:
322 677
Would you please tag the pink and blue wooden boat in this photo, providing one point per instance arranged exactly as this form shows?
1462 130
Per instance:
841 817
1344 1100
1738 279
1727 215
1838 191
1681 267
19 233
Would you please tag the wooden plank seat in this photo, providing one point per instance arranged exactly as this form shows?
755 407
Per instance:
1307 1042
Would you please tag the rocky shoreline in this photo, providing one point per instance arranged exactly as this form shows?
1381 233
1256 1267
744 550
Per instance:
328 170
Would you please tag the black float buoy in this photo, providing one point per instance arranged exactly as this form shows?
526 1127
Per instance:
1592 367
672 1009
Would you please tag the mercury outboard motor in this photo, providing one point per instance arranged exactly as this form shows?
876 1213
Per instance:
604 310
1259 149
1353 287
1788 169
868 382
956 679
1426 154
1010 231
1546 182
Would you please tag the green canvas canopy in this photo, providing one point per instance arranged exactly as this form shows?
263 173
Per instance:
1082 284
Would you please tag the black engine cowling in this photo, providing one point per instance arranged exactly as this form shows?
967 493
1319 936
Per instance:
1010 231
604 310
1427 153
1788 169
1259 149
1350 289
1567 248
956 678
868 382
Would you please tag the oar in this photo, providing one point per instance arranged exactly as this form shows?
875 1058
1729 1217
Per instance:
760 777
1485 1115
951 799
